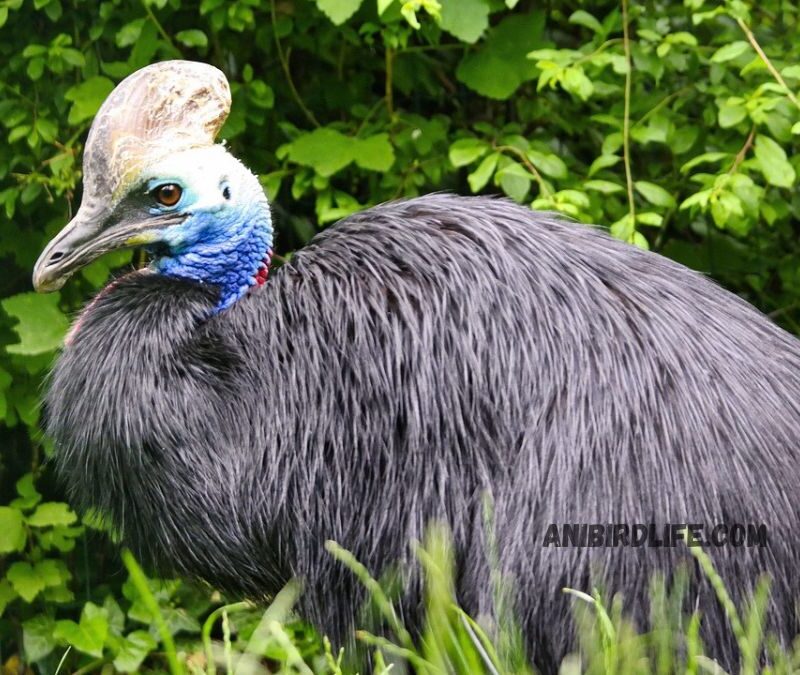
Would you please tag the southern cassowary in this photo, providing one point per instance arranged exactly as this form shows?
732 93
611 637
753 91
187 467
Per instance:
411 360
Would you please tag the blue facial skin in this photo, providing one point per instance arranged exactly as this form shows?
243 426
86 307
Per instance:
223 245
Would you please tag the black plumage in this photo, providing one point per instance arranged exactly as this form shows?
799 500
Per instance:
411 359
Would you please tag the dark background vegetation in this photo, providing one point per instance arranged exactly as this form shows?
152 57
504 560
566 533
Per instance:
677 133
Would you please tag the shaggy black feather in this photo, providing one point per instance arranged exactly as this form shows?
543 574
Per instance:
410 359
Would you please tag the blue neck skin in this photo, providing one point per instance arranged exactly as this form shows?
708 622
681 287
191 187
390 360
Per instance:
226 248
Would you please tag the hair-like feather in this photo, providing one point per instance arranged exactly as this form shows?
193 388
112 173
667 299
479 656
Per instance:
411 359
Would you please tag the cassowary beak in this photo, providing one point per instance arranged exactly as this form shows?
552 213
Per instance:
74 247
85 238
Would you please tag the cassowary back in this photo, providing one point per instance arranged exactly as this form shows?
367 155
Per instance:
411 360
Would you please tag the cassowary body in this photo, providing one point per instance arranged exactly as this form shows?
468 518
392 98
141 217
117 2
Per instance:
411 360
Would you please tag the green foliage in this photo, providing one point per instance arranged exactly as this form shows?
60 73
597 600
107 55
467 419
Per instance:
682 139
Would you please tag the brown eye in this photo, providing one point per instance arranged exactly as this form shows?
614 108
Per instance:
168 194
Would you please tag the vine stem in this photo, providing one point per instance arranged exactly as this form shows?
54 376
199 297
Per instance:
751 38
626 120
284 59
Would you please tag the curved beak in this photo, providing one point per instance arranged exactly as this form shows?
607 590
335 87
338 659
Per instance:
68 251
88 236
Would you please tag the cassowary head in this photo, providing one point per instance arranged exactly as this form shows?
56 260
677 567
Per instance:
153 177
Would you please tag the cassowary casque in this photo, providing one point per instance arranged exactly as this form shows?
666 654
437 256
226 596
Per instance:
411 360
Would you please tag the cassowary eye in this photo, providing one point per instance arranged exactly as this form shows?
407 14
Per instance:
168 194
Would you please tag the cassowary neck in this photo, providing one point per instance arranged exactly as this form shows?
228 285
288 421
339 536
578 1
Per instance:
229 248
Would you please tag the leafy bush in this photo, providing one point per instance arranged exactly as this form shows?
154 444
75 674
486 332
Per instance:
673 125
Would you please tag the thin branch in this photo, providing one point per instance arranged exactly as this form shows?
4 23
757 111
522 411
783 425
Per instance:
737 160
528 165
389 58
783 310
159 27
368 116
743 151
626 120
772 69
599 50
429 48
284 59
664 101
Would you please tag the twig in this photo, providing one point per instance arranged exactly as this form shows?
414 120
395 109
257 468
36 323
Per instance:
599 50
284 59
772 69
368 116
528 165
626 120
389 59
783 310
662 103
159 27
743 151
429 48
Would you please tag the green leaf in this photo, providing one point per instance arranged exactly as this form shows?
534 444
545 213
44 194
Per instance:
87 97
623 229
649 218
133 649
705 157
374 153
271 182
604 186
726 207
12 530
29 496
548 163
603 162
326 150
514 180
38 639
192 38
59 538
26 582
129 33
773 163
575 81
116 617
583 18
478 178
697 199
90 634
655 194
52 513
52 572
730 51
7 594
500 64
731 114
466 150
339 11
465 19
